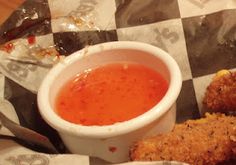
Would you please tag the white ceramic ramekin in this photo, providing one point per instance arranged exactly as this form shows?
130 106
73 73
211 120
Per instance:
111 142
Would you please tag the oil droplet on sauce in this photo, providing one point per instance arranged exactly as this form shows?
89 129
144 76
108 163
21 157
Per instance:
110 94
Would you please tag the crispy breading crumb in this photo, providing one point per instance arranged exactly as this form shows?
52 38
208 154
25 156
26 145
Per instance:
206 141
220 95
221 73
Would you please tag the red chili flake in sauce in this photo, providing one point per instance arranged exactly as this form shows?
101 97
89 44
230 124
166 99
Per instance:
112 149
31 40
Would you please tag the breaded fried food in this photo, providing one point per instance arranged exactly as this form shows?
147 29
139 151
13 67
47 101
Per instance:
205 141
220 95
233 143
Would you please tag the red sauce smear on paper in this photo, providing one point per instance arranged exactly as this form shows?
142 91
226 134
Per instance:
31 40
110 94
8 47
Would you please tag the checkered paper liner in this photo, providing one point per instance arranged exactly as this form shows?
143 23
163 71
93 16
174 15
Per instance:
199 34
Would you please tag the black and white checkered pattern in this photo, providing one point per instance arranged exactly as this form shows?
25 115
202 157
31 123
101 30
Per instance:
199 34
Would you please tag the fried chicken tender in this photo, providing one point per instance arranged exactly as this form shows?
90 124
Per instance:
233 143
206 141
220 95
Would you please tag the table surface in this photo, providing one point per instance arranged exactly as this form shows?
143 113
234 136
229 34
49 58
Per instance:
7 7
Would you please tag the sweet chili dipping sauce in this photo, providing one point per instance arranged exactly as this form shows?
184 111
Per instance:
110 94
